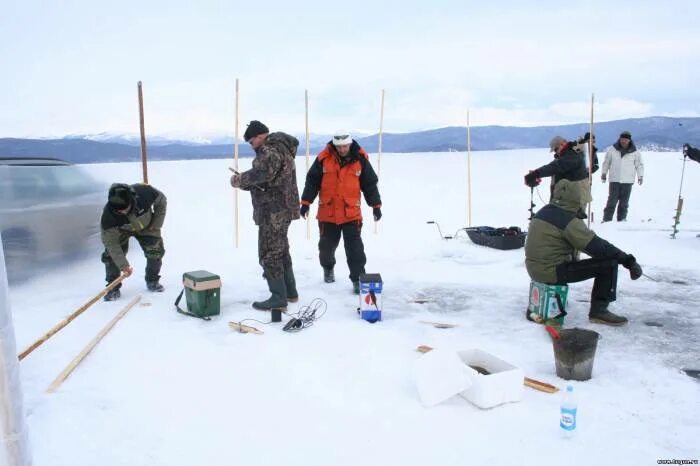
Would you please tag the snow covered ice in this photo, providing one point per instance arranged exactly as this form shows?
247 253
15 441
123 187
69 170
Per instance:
165 389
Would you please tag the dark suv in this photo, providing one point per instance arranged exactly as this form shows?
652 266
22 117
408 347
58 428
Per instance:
49 209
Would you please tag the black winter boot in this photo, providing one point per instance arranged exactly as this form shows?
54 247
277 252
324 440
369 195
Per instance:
328 275
278 300
113 295
291 284
155 286
599 314
356 287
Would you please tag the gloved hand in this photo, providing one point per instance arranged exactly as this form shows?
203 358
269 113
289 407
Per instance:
685 149
532 179
603 177
236 181
304 211
377 212
630 263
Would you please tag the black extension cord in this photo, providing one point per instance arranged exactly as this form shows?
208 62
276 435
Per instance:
306 316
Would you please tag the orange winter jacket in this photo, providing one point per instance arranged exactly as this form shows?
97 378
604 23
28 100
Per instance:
338 182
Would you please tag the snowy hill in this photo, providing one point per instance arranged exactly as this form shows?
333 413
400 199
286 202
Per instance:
653 133
165 389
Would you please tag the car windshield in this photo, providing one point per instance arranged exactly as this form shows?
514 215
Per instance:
43 183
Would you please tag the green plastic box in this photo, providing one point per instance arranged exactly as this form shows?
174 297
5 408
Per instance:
202 293
543 306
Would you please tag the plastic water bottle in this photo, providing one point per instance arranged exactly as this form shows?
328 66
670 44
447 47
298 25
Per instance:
567 420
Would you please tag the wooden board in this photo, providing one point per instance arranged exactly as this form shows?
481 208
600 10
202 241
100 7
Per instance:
238 327
438 324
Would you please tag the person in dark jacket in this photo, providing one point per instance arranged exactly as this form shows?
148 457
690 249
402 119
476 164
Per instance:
138 211
582 147
338 175
272 182
555 233
691 152
568 164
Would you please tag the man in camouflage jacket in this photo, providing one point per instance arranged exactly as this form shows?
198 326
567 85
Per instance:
555 233
272 182
133 210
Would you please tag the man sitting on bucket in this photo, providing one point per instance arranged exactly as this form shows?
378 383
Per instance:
555 234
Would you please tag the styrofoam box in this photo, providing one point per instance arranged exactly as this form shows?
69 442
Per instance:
503 384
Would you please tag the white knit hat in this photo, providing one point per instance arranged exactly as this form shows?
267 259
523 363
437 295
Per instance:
341 138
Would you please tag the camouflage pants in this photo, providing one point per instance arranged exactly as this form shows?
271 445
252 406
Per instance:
153 249
273 248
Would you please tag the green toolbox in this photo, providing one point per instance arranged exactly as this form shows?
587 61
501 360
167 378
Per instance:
202 293
547 303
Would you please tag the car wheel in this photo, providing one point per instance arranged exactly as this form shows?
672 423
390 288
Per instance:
20 253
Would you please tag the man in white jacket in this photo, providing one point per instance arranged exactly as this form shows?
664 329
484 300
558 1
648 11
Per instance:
624 161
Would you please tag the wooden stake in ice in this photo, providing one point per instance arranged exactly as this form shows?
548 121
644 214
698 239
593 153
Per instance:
306 122
469 172
235 166
379 148
590 161
69 319
90 346
144 157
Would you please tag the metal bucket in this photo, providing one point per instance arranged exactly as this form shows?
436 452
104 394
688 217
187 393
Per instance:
574 353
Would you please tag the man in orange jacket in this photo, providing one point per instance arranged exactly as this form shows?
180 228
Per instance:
337 176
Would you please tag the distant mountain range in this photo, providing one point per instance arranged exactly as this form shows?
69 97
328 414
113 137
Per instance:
652 133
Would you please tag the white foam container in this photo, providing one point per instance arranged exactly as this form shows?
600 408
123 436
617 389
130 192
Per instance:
441 374
503 384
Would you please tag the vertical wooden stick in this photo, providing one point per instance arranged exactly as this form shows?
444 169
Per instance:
144 158
381 136
306 121
590 161
67 320
89 347
379 151
235 166
469 173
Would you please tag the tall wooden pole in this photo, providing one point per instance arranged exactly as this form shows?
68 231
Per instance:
67 320
381 136
590 160
306 121
235 166
90 346
144 158
469 172
379 149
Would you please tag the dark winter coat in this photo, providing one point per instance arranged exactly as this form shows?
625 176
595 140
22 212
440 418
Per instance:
567 165
145 217
338 181
272 181
693 153
555 233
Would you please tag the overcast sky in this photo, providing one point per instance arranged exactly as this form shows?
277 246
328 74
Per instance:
71 67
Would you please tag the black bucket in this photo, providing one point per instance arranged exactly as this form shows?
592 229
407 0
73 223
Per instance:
574 353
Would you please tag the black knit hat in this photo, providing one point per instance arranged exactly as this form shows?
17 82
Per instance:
255 128
625 135
119 197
